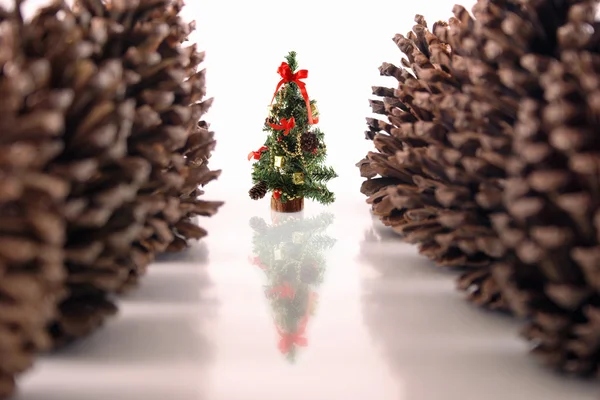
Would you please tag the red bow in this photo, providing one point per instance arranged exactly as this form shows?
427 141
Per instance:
284 291
276 194
288 76
289 339
256 154
286 125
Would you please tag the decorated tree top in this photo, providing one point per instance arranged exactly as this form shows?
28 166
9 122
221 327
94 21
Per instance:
291 252
290 164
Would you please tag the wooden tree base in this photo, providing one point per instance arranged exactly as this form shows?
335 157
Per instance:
289 206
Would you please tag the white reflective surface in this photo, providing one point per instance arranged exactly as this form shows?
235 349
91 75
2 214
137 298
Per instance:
387 325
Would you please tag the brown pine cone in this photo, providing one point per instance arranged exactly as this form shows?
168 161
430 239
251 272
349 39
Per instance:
134 151
309 142
550 54
90 180
162 77
258 191
433 178
32 224
101 220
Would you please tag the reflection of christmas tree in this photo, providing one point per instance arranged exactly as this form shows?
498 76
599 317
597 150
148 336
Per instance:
291 252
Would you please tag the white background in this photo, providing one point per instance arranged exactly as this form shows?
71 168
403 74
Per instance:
342 44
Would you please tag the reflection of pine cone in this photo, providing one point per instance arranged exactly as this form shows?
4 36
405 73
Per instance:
258 224
289 274
258 191
309 274
309 142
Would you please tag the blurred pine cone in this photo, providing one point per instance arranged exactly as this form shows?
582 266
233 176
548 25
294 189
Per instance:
162 76
101 221
547 52
101 159
258 224
134 151
32 228
309 273
258 191
436 175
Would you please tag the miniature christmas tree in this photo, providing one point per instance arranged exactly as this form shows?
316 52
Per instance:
290 164
291 252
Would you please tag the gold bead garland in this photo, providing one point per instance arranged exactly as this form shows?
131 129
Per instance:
289 197
279 149
296 153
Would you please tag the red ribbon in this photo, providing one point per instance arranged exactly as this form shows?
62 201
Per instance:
289 339
256 154
288 76
285 291
276 194
285 125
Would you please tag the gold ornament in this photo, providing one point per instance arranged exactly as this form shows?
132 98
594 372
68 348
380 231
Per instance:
314 110
278 161
298 178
